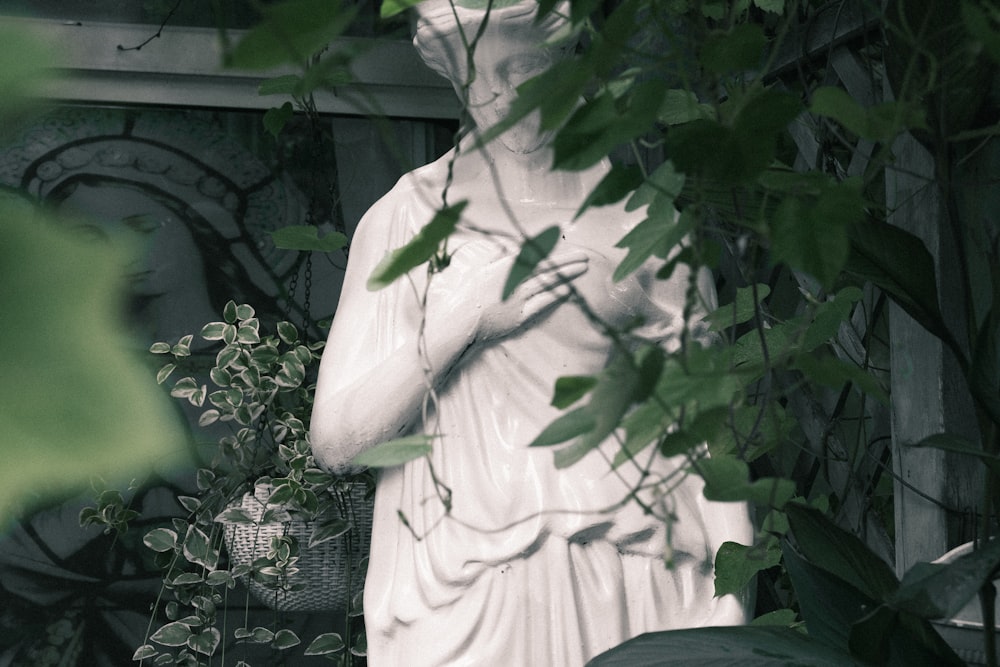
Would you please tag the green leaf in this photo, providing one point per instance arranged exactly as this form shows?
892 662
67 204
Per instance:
951 442
781 617
654 236
940 590
566 427
737 564
727 479
233 515
205 642
682 106
390 8
570 389
172 634
61 299
160 539
745 646
601 124
144 652
326 644
285 639
275 120
880 123
742 308
665 183
164 373
812 235
306 237
614 187
291 31
286 84
737 50
773 6
874 257
328 530
835 373
829 605
198 549
533 251
394 452
842 554
420 248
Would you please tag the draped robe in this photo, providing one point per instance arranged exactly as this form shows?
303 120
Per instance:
532 565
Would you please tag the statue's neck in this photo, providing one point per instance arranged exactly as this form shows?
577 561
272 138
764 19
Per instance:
495 171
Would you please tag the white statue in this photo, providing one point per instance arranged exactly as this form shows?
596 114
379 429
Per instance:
532 565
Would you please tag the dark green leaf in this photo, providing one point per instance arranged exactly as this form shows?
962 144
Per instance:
160 539
328 530
742 48
727 479
276 118
614 187
280 85
835 550
737 564
835 373
875 253
533 251
291 31
390 8
205 641
940 590
653 236
285 639
829 605
744 646
306 237
681 106
742 308
880 123
172 634
665 183
421 248
325 644
951 442
812 235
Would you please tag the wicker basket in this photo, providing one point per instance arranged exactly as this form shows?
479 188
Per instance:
323 579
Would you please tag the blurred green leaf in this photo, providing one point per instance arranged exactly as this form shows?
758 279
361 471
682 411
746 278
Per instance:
739 49
420 248
395 452
306 237
880 123
741 309
570 389
77 398
615 186
811 235
291 31
533 251
275 119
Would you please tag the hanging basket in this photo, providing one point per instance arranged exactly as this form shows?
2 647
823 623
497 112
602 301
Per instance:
328 573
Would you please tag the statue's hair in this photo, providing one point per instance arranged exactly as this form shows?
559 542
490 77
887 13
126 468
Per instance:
443 28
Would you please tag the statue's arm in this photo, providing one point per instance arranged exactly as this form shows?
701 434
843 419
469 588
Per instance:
366 396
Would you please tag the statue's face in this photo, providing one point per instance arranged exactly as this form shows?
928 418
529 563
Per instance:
501 66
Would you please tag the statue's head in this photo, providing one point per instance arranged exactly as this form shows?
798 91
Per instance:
511 48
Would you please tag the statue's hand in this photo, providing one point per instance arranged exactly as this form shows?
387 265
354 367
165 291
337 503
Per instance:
473 296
